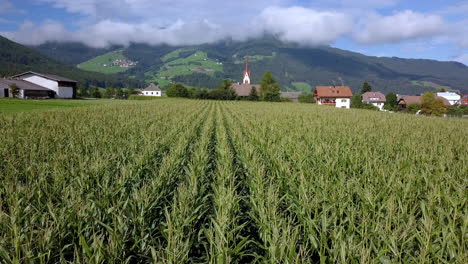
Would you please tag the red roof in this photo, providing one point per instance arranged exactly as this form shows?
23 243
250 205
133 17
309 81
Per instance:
333 92
464 100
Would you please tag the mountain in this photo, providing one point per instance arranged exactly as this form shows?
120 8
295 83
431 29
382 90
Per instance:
295 67
15 59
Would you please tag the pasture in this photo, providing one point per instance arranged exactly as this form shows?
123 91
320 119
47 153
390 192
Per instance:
185 181
9 105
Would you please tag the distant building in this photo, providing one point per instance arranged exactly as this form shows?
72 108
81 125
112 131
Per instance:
151 90
35 85
377 99
405 101
464 100
243 89
338 96
293 96
453 98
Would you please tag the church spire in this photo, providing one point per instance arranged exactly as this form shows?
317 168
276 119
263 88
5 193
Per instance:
246 72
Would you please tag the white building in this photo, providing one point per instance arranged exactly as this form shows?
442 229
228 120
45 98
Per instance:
37 85
151 90
453 98
377 99
338 96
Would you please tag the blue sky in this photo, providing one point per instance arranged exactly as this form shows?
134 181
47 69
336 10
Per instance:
432 29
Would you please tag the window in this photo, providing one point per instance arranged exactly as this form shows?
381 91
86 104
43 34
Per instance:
151 93
344 100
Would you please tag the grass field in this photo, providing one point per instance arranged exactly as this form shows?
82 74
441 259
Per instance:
18 105
430 84
197 62
103 63
179 181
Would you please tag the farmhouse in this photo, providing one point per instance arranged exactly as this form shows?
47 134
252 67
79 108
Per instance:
453 98
338 96
405 101
151 90
34 85
377 99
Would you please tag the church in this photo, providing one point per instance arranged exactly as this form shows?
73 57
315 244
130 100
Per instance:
243 89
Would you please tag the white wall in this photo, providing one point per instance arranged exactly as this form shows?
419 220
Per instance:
151 93
2 92
379 105
61 92
343 103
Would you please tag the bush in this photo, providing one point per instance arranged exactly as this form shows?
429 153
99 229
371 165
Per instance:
177 90
306 98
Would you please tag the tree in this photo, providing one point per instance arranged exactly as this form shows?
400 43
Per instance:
270 89
366 88
119 94
228 92
391 103
356 101
253 95
177 90
306 98
95 93
14 90
109 93
431 105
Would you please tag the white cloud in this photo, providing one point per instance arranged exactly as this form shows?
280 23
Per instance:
305 26
405 25
462 58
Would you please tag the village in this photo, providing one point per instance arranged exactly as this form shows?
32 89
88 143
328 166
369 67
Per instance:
30 85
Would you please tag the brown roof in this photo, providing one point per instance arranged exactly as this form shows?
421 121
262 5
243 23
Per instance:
23 85
464 100
374 97
152 87
333 92
407 100
47 76
244 89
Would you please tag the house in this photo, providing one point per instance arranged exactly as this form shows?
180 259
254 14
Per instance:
464 100
293 96
453 98
243 89
61 86
338 96
377 99
25 89
151 90
405 101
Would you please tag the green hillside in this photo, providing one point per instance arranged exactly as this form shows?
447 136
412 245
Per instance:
290 64
105 63
177 64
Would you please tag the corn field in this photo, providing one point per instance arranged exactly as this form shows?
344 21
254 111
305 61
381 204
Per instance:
181 181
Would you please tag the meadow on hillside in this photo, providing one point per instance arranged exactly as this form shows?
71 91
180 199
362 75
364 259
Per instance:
178 181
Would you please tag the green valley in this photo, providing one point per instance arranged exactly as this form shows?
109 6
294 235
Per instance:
183 62
111 62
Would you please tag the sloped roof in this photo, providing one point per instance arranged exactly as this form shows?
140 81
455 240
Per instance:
333 92
244 89
152 88
407 100
376 97
47 76
291 95
23 85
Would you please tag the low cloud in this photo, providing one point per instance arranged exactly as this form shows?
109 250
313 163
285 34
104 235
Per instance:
462 58
405 25
305 26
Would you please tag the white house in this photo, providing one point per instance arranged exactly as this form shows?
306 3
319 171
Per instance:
62 87
377 99
338 96
25 89
453 98
151 90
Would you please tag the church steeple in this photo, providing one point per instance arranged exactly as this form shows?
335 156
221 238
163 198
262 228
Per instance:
246 72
